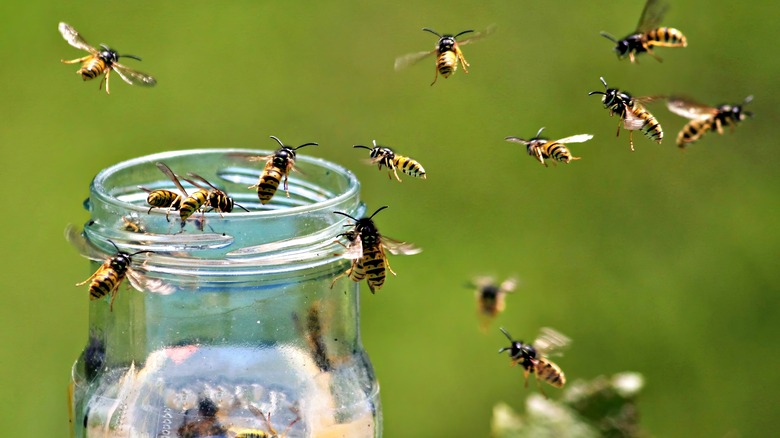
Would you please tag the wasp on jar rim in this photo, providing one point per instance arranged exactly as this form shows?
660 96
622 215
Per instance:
633 115
706 118
490 297
102 61
384 156
647 34
533 357
447 51
555 150
110 275
217 200
366 248
236 432
277 168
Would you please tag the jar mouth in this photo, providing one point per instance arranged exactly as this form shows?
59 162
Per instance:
297 228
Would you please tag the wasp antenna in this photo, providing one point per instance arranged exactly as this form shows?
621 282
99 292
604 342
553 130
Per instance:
344 214
601 78
278 141
596 92
508 336
539 133
140 252
609 37
241 207
504 349
361 146
112 242
130 56
378 210
376 145
432 31
306 144
465 31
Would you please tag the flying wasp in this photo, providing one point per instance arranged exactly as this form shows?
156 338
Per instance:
556 150
706 118
647 34
102 61
490 297
633 115
384 156
366 248
447 51
532 357
109 276
277 167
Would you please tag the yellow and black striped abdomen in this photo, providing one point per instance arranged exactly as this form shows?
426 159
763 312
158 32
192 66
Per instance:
666 37
193 203
693 131
557 151
447 63
374 264
651 128
269 182
106 280
550 372
409 166
162 198
92 68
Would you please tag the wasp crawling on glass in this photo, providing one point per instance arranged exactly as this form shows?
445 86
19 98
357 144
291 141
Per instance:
384 156
706 118
447 51
102 61
633 115
647 34
366 248
277 167
202 421
235 432
533 357
545 149
109 276
491 297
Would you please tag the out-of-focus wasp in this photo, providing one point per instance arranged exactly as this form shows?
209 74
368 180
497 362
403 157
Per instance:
258 433
556 150
633 115
491 297
366 248
277 167
648 34
384 156
532 357
102 61
109 276
132 223
447 51
312 330
202 421
706 118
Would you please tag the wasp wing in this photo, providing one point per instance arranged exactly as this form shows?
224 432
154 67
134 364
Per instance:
133 77
479 35
169 173
551 342
74 38
396 247
652 15
689 108
354 246
82 245
579 138
145 284
517 140
509 284
404 61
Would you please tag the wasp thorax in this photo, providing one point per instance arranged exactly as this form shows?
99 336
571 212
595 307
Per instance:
490 291
446 43
120 261
108 56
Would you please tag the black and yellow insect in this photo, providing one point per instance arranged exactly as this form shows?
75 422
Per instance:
647 34
545 149
162 198
633 115
532 357
217 200
366 248
706 118
109 276
237 432
447 51
102 61
384 156
202 421
277 167
190 203
311 328
491 297
132 223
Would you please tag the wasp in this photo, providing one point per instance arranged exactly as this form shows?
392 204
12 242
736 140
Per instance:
532 357
447 51
633 114
102 61
202 421
706 118
278 165
647 34
132 223
189 203
544 149
162 198
384 156
490 297
109 276
312 331
258 433
216 199
366 248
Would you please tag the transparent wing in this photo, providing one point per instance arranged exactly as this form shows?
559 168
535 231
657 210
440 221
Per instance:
689 108
652 15
509 284
632 122
410 59
169 173
74 38
82 245
259 157
354 246
479 35
517 140
551 342
146 284
575 139
134 77
396 247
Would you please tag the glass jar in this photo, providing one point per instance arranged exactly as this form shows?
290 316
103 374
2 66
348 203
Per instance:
238 327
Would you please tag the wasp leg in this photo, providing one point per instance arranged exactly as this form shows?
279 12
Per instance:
74 61
113 295
395 171
719 126
631 139
345 273
105 79
436 67
650 51
88 279
463 62
540 386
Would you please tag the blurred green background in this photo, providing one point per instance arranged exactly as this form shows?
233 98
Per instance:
658 261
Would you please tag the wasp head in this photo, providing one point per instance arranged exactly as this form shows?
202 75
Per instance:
613 98
108 55
521 353
446 42
736 112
